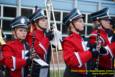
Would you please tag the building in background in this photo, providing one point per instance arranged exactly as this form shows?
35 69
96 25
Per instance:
9 9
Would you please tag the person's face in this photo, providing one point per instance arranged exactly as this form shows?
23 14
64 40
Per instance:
79 24
20 33
106 23
43 23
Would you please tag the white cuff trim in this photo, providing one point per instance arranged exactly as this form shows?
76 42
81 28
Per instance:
14 64
109 50
78 58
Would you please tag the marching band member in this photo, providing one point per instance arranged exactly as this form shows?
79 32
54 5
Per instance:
2 42
102 37
75 53
39 24
110 47
15 52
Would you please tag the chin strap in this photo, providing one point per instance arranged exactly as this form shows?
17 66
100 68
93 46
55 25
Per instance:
76 28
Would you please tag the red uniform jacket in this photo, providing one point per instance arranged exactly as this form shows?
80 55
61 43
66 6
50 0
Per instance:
13 53
111 49
75 53
105 61
41 43
1 56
